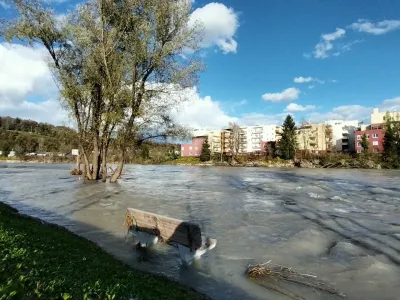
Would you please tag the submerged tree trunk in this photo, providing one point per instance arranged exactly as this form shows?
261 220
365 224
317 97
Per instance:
78 162
104 163
87 174
120 166
95 160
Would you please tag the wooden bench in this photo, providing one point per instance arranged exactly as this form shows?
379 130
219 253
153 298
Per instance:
151 228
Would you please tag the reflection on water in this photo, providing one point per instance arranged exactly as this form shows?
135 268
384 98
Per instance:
342 225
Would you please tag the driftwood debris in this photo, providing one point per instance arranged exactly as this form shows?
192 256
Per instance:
269 275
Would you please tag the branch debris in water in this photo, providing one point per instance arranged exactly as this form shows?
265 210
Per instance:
262 273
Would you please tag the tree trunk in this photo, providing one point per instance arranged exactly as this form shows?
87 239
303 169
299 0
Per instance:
95 160
86 172
104 163
118 171
78 162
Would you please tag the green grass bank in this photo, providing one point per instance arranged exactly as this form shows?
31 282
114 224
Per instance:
44 261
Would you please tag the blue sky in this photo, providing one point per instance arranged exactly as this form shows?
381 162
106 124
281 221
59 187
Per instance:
344 54
273 37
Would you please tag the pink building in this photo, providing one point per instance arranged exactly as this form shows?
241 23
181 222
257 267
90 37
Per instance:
193 149
375 135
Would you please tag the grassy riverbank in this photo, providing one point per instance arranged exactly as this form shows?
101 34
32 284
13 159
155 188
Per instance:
48 262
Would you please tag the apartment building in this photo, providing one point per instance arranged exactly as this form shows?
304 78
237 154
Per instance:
375 134
213 137
247 140
193 149
314 137
251 137
375 131
378 117
343 136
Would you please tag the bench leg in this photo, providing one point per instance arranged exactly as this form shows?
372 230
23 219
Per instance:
145 239
188 257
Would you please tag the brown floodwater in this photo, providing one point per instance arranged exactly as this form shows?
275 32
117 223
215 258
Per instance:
341 225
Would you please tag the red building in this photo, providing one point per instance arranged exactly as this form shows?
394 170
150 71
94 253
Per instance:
375 135
193 149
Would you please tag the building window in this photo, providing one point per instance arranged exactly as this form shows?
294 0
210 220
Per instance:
359 144
183 148
359 137
384 118
375 143
375 136
190 148
367 136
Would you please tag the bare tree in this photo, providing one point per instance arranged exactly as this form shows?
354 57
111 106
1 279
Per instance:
119 67
234 139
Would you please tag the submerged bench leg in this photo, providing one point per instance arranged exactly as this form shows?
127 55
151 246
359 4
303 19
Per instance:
188 256
145 239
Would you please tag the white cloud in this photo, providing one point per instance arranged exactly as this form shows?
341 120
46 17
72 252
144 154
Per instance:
205 113
261 119
323 48
377 28
4 5
24 74
199 112
392 104
23 71
342 48
286 95
219 23
311 86
293 107
326 47
49 111
302 79
345 112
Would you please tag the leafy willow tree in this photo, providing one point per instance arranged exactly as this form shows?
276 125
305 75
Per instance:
205 154
364 143
288 142
119 65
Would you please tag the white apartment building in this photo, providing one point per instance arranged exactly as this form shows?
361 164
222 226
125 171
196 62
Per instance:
378 117
343 138
250 137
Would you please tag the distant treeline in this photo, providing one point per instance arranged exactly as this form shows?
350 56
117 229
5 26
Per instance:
27 136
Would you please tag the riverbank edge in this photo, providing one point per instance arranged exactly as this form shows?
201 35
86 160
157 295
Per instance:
48 235
306 164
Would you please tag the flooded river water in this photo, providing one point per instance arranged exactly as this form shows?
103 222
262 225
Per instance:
341 225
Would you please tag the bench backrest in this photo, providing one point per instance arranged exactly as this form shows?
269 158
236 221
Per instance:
167 229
